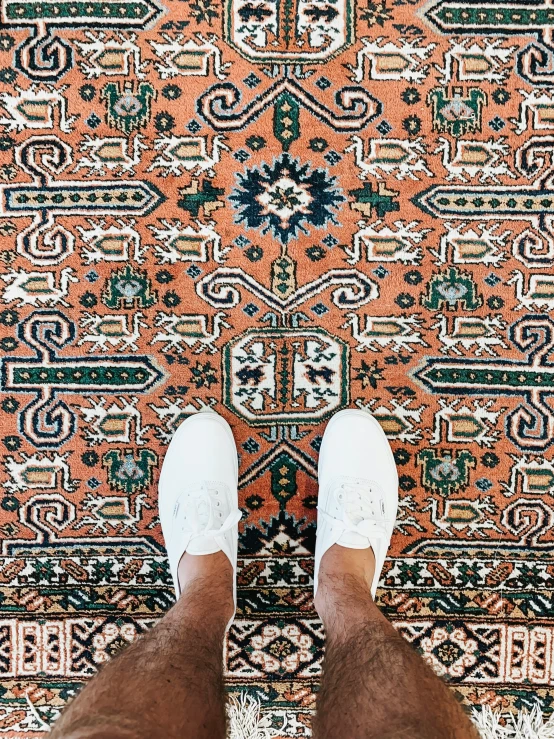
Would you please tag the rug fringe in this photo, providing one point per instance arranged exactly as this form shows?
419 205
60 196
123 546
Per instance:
246 722
524 725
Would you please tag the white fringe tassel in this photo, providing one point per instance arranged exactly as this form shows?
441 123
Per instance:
524 725
246 722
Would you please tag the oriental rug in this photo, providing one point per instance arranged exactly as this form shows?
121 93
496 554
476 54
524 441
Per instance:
276 209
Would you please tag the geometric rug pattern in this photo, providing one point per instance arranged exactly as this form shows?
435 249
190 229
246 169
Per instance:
276 209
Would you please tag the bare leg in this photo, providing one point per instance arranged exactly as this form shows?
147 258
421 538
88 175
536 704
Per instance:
169 683
375 686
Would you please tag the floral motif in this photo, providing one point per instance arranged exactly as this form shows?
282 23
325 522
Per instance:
285 198
450 652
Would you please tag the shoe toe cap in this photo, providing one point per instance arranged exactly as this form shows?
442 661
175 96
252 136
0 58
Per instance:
202 449
354 445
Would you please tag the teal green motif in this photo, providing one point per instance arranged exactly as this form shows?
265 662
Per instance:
70 10
129 288
81 197
48 375
452 289
130 471
455 201
128 110
283 479
518 15
381 200
83 375
286 124
514 17
457 113
532 380
193 198
488 376
443 472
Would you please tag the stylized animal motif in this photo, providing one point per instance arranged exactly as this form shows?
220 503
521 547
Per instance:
116 154
401 158
181 154
540 291
382 331
39 471
384 244
117 242
529 475
105 331
179 243
468 516
185 57
113 421
536 111
456 422
465 159
465 245
390 61
470 331
191 330
35 288
112 511
110 56
469 60
35 108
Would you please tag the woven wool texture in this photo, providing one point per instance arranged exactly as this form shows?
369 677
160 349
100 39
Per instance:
276 209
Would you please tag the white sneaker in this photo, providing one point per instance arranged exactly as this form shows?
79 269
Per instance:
198 498
358 488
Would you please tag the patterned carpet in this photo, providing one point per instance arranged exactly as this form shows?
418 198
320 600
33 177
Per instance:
276 208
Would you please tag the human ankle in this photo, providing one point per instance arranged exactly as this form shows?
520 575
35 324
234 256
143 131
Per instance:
357 564
343 596
345 581
215 566
208 581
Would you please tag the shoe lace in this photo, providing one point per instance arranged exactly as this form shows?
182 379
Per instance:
358 501
200 519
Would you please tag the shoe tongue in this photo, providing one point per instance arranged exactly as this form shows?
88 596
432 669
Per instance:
201 544
353 540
